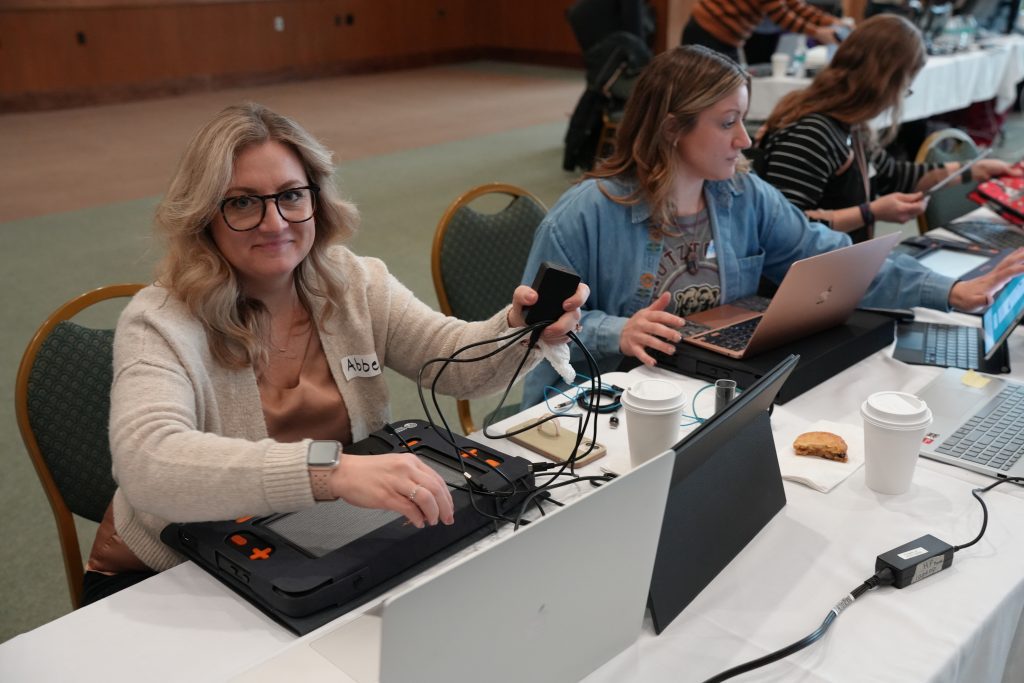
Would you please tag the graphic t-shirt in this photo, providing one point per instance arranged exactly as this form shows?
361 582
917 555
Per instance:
688 267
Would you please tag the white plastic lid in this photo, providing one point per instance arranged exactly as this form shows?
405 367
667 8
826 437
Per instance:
654 395
896 409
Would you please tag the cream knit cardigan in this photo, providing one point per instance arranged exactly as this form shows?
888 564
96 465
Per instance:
188 437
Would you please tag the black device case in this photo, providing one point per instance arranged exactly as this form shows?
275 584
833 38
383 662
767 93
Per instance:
822 355
326 560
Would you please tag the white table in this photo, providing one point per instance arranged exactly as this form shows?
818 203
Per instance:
946 83
965 624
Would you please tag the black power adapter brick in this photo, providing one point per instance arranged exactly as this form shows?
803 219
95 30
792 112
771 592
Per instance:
553 284
916 560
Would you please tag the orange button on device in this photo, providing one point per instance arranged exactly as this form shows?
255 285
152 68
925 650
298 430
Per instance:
261 553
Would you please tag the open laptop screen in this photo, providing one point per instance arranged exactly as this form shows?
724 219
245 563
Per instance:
1003 315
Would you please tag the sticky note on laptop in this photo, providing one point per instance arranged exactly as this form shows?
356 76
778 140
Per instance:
973 379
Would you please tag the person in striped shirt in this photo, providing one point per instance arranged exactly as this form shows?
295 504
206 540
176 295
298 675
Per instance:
818 147
725 25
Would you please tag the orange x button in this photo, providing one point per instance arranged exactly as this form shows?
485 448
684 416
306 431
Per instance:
260 553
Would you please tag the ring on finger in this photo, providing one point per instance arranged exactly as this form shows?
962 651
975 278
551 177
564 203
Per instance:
412 496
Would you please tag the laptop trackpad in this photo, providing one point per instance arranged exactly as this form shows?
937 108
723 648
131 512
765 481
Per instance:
950 400
914 339
354 648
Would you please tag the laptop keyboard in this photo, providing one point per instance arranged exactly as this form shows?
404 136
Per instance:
995 435
734 337
951 346
988 234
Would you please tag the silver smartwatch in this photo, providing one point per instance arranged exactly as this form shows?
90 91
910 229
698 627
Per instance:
321 459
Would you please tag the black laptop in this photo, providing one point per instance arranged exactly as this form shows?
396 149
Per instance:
966 347
306 568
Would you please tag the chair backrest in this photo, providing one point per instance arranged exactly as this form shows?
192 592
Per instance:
478 258
951 144
62 402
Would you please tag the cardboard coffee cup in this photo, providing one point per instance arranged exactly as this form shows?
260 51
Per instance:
654 409
894 424
780 63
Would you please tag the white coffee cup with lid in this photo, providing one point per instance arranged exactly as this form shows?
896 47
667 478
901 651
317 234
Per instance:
780 64
654 410
894 424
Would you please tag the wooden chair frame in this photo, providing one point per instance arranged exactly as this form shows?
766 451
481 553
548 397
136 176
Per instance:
463 406
922 155
66 530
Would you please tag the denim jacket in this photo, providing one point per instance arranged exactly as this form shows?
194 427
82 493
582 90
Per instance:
756 231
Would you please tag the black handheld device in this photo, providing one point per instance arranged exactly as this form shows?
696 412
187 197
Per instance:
554 284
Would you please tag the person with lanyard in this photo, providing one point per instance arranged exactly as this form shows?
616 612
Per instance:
261 344
819 148
671 223
725 25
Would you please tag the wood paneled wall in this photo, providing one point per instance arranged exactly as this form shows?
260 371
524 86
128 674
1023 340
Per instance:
68 52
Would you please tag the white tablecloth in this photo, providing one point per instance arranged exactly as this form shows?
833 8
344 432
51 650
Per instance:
963 624
946 83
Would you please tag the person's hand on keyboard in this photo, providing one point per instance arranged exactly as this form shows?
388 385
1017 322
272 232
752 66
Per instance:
975 294
651 328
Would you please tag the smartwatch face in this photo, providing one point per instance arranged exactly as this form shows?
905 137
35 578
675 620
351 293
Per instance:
322 454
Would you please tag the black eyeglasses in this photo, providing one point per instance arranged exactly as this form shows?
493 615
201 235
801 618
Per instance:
245 212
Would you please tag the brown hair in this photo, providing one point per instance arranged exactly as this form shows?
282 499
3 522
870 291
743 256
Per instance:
867 75
193 267
670 94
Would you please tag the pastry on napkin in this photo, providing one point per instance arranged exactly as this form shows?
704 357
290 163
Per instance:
818 473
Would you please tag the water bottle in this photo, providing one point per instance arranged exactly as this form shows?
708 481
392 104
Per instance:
800 58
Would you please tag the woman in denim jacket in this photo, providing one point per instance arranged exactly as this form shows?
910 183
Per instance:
671 224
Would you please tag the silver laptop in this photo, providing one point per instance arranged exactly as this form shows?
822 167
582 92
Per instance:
817 293
979 428
550 602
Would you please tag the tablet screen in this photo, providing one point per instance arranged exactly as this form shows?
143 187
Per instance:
1008 308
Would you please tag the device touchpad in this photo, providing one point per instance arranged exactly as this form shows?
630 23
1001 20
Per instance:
912 340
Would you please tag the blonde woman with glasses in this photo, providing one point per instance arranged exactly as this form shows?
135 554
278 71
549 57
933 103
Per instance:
258 353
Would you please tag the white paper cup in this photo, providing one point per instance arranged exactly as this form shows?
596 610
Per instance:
780 63
894 424
654 409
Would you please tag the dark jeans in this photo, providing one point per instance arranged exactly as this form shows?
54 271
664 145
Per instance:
96 586
694 34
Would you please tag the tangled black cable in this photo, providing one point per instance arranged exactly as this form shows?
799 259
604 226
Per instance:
448 435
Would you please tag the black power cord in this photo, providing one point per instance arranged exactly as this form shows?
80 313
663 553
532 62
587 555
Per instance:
881 578
899 567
